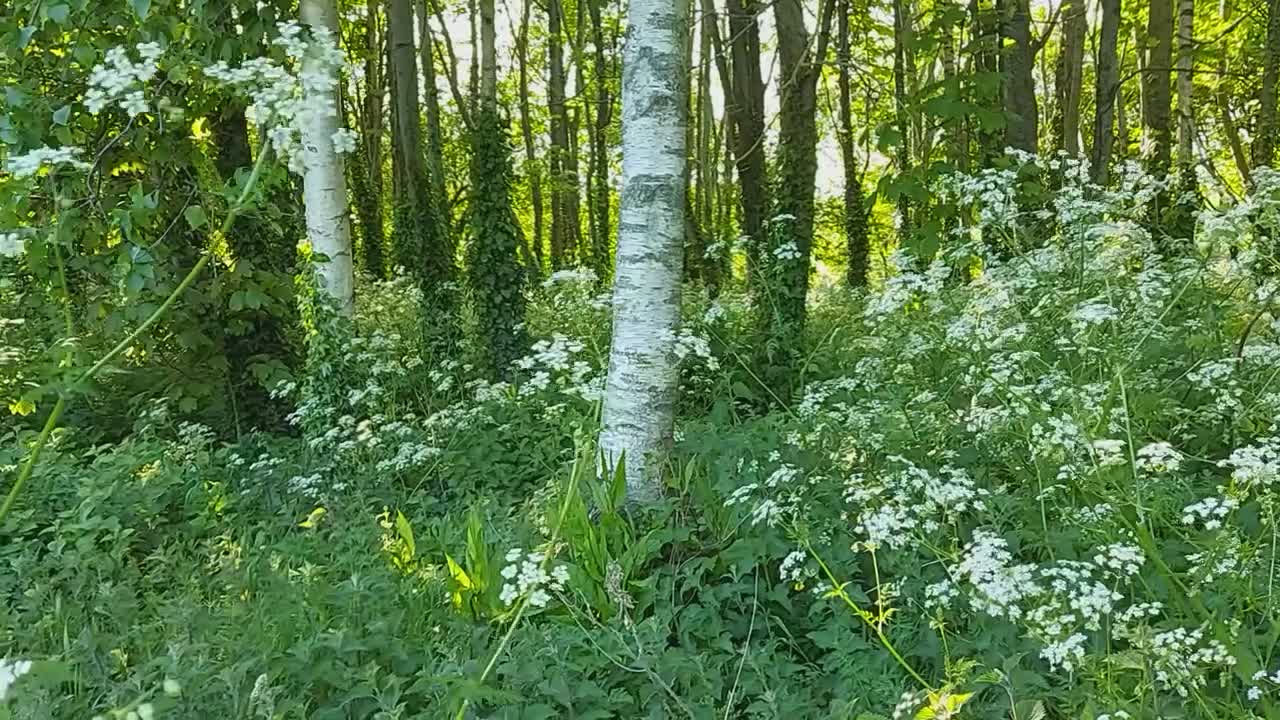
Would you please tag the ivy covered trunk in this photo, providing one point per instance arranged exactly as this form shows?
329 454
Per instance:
640 393
855 212
1156 88
324 185
495 275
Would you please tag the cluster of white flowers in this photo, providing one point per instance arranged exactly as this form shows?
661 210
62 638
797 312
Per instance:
691 345
1057 603
906 286
284 100
11 244
574 276
30 163
1158 457
1256 465
787 252
893 505
1182 657
10 671
119 78
1262 678
1209 512
1091 313
525 576
556 364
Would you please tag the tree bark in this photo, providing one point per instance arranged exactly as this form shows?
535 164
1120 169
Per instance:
598 170
1186 50
1022 112
373 230
1222 101
407 142
431 98
1106 91
532 166
903 154
639 403
1156 88
1070 76
855 215
1264 140
324 188
565 228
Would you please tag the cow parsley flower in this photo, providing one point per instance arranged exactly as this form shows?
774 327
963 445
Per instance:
10 671
30 163
120 79
526 576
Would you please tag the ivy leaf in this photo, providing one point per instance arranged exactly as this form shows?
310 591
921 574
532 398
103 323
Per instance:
195 217
141 8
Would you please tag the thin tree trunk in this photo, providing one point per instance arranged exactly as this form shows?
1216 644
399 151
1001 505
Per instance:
985 86
746 88
1264 140
1186 117
1070 75
407 143
532 166
431 98
1023 115
373 231
599 160
903 154
324 187
855 216
564 221
1156 88
639 403
1107 91
1222 100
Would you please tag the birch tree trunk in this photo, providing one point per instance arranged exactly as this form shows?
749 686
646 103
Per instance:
640 394
1106 91
324 187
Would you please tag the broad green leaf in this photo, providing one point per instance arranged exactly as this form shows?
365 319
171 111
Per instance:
58 13
61 115
195 217
141 8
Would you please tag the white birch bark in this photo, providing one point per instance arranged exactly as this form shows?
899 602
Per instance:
640 394
324 188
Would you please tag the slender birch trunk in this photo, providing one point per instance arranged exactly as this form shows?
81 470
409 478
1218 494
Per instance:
639 403
324 187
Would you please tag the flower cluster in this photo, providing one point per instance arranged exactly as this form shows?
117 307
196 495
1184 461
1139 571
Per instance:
120 79
285 99
10 671
526 576
11 244
30 163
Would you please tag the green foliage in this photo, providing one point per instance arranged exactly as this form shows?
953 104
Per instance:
423 248
495 276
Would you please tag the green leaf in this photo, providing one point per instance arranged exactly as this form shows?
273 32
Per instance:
405 531
141 8
58 13
195 217
61 115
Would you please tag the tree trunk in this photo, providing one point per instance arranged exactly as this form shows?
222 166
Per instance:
985 86
903 154
1156 91
532 166
409 168
639 402
1264 140
1107 91
369 208
1022 112
565 229
598 170
431 98
1186 117
746 88
1070 75
855 215
324 188
1222 100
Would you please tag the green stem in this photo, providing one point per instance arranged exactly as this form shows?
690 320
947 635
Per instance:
523 602
51 423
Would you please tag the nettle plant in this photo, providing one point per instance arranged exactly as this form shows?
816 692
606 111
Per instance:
80 229
1051 473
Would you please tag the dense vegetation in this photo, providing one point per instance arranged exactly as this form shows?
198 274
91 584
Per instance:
408 360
